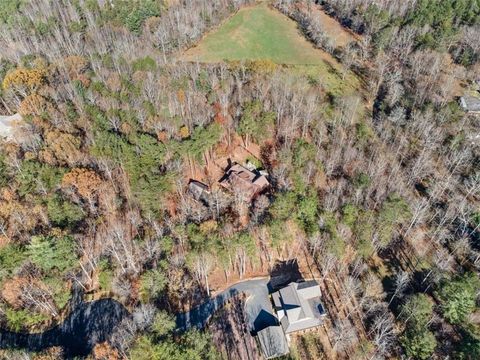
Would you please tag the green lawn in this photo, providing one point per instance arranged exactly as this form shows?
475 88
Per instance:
260 32
257 32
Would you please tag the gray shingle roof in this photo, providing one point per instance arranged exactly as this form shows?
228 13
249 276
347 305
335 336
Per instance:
273 342
276 299
306 284
300 306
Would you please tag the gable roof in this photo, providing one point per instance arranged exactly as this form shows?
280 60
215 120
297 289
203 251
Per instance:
291 303
298 306
273 341
238 177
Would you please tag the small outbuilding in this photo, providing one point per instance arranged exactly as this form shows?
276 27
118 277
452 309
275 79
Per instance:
198 190
470 104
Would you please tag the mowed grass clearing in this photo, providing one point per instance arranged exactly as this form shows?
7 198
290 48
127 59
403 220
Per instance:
260 32
257 33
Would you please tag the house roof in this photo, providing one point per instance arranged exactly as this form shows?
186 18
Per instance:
470 103
276 299
273 341
238 177
198 189
298 306
261 181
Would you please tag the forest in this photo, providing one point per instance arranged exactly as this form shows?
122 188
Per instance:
373 170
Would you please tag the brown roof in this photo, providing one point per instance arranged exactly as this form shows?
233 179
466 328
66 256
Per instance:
238 177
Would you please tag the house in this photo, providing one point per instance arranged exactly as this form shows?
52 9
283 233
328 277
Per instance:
199 190
470 103
7 126
250 183
273 342
298 306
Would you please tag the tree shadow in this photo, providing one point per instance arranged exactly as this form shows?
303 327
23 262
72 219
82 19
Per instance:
283 273
263 321
199 316
87 325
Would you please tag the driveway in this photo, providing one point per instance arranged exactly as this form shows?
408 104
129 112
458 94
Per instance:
258 308
88 324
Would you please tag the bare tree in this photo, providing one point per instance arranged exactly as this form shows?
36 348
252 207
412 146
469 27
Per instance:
402 279
345 335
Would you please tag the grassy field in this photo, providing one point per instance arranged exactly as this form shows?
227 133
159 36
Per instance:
257 32
260 32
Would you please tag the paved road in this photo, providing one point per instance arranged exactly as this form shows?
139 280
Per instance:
258 307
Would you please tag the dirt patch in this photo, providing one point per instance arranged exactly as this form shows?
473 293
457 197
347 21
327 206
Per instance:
313 345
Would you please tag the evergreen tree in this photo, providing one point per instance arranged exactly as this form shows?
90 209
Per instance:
63 213
417 341
52 252
458 297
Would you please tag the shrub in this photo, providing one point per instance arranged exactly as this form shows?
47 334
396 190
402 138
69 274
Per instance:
105 276
283 206
307 212
35 177
8 10
255 123
417 310
11 257
361 181
144 64
18 319
163 323
152 283
350 215
133 14
34 104
23 77
394 212
85 181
